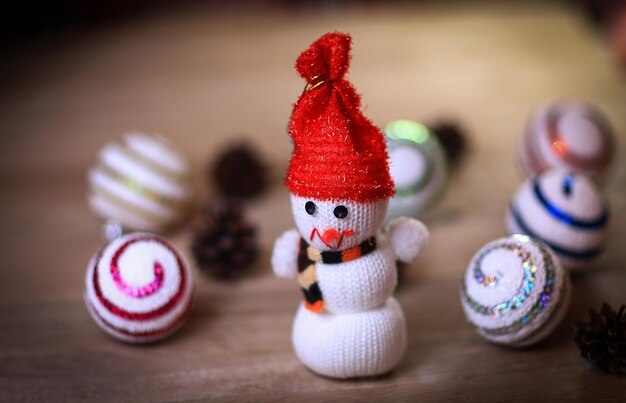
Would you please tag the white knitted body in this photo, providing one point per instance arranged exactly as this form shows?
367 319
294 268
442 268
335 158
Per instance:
115 304
358 344
515 291
362 330
584 133
144 183
418 168
361 284
574 244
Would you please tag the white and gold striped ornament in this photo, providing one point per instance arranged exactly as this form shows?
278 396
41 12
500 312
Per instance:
142 183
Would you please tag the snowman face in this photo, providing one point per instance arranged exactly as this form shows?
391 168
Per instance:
337 224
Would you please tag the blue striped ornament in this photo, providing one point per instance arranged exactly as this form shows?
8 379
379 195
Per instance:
565 211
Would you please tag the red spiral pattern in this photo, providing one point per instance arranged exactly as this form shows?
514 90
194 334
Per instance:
142 316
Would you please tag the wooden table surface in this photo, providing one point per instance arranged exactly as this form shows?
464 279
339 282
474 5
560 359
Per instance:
204 79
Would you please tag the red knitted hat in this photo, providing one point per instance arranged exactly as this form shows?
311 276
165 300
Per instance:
338 152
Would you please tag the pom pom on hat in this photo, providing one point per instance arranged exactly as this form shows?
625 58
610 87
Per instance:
338 152
328 58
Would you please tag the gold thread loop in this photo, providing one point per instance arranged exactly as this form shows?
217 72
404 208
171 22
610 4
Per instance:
311 85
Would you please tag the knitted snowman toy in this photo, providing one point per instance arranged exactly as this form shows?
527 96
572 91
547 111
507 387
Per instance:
349 324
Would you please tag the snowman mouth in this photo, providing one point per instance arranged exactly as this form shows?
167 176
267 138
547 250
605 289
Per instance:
331 237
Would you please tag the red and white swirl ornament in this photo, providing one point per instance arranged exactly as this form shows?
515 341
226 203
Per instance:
139 288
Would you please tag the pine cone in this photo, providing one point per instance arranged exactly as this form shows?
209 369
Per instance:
453 139
602 340
240 172
224 243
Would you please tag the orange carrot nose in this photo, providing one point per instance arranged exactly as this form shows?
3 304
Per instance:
329 235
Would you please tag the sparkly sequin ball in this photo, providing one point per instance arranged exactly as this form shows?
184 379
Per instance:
569 135
566 211
138 288
418 167
142 183
515 291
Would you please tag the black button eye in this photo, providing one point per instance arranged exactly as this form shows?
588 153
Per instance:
340 212
310 207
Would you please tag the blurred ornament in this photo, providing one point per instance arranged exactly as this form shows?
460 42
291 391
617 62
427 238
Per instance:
142 184
515 291
138 288
570 135
564 210
418 167
240 172
224 243
602 340
453 139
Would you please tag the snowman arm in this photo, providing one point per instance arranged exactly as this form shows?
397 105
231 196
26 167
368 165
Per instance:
407 237
285 254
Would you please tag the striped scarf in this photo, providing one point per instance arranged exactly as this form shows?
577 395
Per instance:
307 276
